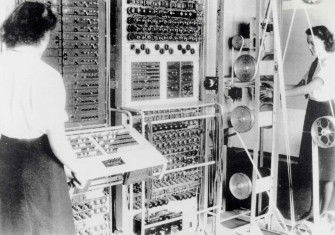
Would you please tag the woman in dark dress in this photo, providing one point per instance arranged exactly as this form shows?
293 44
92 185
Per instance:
318 86
34 196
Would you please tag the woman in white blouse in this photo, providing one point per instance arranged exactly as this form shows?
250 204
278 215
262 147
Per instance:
318 86
34 196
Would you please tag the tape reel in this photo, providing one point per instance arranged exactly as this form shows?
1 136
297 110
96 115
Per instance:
242 119
323 131
240 186
245 68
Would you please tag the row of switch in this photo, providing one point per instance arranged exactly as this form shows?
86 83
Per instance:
183 5
160 21
161 37
132 28
171 114
97 229
181 149
175 125
88 214
161 12
177 143
165 136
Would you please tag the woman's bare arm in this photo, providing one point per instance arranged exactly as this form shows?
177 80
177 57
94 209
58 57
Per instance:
63 150
305 89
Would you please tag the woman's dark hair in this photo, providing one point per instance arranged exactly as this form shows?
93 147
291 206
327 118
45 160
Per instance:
324 34
27 24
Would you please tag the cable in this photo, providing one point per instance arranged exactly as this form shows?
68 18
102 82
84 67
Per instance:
262 41
255 168
290 29
284 110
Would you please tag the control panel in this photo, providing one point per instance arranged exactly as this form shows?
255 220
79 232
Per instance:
179 133
77 49
180 142
173 227
161 20
103 152
106 155
92 212
157 43
175 186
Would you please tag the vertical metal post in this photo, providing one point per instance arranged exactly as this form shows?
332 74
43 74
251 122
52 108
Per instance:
316 187
143 208
256 126
261 164
205 173
108 60
220 53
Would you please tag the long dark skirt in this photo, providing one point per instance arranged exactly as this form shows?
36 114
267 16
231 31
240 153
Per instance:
34 197
326 156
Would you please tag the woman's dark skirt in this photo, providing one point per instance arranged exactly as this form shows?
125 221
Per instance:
326 156
34 197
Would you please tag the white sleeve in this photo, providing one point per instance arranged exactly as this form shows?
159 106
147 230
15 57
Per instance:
323 73
51 102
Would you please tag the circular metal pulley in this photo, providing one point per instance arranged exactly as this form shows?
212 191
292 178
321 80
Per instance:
242 119
240 186
323 131
245 68
237 42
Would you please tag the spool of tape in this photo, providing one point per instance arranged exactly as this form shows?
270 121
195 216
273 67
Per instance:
323 131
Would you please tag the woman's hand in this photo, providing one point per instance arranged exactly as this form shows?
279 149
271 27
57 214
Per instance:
75 180
68 174
80 181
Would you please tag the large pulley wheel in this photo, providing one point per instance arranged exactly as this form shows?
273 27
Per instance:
323 131
240 186
245 68
242 119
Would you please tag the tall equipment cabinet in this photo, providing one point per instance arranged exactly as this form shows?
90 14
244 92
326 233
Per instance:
156 74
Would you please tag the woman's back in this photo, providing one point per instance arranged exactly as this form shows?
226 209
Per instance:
29 89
